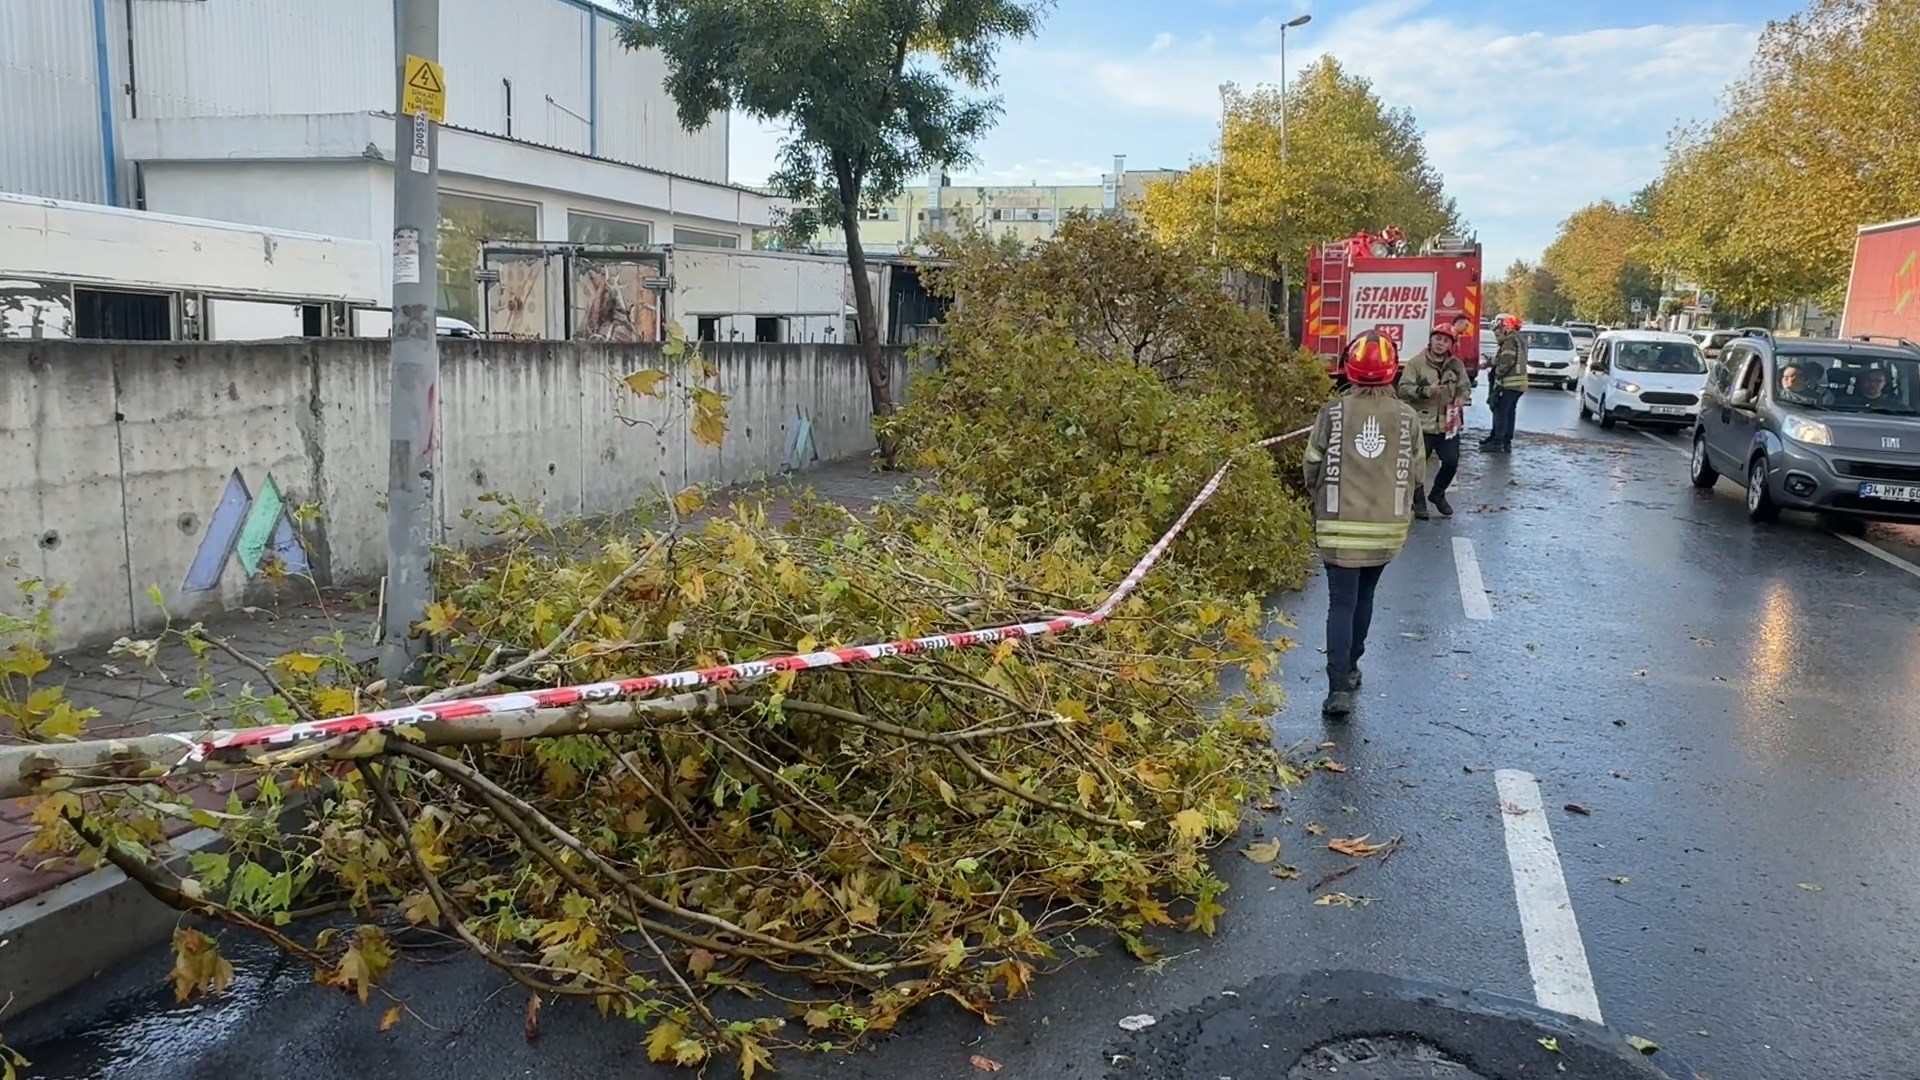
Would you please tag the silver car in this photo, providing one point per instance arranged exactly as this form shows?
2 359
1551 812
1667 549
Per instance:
1814 424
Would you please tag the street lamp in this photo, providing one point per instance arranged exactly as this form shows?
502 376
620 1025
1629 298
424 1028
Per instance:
1294 24
1219 168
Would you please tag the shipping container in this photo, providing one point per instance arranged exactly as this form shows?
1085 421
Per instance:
1883 290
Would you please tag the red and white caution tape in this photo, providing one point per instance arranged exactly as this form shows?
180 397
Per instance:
730 675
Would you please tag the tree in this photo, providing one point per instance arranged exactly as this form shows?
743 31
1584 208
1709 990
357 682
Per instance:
1819 137
1597 259
1532 293
871 91
1352 163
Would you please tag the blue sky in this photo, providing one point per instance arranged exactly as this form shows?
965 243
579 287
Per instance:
1530 110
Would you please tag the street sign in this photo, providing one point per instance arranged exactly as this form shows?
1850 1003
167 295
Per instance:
425 90
1636 305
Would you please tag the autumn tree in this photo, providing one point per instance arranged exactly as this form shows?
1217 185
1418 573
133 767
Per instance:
1532 293
1350 162
1597 259
1819 137
873 93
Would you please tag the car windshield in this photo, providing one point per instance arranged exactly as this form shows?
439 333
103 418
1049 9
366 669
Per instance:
1547 339
1861 384
1659 358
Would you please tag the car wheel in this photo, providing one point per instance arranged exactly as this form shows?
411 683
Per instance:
1606 419
1760 504
1586 410
1704 474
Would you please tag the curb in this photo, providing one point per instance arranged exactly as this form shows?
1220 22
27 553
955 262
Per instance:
1259 1031
63 937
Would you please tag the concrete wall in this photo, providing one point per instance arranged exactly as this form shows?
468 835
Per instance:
121 451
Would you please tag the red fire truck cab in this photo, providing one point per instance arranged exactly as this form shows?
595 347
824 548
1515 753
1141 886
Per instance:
1371 282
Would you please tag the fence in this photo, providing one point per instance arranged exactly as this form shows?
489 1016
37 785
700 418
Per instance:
188 466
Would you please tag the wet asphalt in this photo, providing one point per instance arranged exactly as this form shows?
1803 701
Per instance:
1738 707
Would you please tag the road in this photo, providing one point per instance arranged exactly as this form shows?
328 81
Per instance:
1733 706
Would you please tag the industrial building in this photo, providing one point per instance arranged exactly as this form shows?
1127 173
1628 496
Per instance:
277 113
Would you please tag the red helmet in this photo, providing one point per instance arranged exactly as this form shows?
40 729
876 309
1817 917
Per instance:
1508 322
1372 360
1445 327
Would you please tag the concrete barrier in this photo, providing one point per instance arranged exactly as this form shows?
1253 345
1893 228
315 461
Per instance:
186 466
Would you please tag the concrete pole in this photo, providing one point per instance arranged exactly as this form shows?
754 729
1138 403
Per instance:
414 375
1219 172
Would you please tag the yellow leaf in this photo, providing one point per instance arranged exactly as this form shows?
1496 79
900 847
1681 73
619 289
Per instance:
646 382
1316 829
389 1018
753 1057
441 617
198 966
1263 852
1089 788
699 962
691 768
64 723
689 1052
709 416
662 1039
419 908
1206 915
1191 824
864 912
335 701
24 660
1357 846
1072 710
689 501
300 663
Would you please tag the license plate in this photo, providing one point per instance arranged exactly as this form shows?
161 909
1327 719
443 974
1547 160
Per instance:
1890 492
1667 410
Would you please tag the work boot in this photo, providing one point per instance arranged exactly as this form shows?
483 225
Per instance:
1441 504
1488 446
1420 508
1338 706
1353 680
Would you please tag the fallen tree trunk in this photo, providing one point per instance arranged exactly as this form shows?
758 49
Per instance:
44 767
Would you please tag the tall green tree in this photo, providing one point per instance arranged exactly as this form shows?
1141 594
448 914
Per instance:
1347 162
873 93
1597 259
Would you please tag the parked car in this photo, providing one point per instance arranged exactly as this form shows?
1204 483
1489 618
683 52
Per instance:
1584 335
1817 424
1643 376
1550 355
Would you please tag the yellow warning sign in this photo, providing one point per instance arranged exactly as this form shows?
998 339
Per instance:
425 90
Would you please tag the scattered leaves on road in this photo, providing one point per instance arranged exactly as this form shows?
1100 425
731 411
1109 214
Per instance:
1285 872
1340 899
1645 1046
1332 766
1512 808
1809 886
532 1026
984 1064
1620 879
1550 1045
390 1018
1576 808
1316 829
1262 852
1138 1023
1357 846
1329 878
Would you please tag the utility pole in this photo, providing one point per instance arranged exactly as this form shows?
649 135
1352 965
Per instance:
414 374
1219 170
1286 295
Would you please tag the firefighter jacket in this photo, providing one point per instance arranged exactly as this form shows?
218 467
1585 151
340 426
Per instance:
1510 363
1433 388
1362 461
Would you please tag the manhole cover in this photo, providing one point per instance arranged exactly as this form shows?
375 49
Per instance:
1386 1057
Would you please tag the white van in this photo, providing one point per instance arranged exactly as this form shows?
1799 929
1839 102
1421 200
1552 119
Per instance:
1551 357
1643 376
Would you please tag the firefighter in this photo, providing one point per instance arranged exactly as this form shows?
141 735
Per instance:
1362 462
1435 383
1506 384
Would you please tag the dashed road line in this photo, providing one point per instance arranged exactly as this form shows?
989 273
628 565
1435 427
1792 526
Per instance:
1877 552
1473 591
1562 981
1682 451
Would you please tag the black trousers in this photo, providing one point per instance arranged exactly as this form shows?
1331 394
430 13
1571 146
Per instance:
1505 404
1447 452
1349 616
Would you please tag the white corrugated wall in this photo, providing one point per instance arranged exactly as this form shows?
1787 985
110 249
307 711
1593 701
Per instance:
638 124
50 143
244 57
541 46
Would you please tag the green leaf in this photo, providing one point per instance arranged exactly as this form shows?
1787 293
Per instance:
1645 1046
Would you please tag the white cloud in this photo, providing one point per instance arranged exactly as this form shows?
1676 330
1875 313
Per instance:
1526 126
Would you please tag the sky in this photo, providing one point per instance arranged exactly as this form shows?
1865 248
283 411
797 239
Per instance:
1530 110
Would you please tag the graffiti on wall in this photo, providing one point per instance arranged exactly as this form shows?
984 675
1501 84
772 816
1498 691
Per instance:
517 303
35 309
254 530
615 300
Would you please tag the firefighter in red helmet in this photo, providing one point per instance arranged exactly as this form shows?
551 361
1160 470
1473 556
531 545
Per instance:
1362 462
1435 383
1507 383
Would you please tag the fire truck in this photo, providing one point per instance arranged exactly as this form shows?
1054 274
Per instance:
1373 282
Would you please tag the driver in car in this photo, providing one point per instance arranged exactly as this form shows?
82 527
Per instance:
1799 384
1874 389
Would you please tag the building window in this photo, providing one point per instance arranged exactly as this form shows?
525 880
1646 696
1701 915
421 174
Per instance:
709 328
766 328
585 228
465 220
880 213
701 238
104 315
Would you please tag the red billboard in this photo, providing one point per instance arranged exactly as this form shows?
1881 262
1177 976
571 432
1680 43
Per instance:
1883 294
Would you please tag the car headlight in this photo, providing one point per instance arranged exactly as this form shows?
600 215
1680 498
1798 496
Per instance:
1626 387
1806 431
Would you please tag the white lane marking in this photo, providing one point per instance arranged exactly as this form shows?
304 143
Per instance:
1473 591
1562 981
1682 451
1875 550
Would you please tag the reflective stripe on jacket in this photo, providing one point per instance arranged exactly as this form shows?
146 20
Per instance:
1510 363
1433 387
1362 462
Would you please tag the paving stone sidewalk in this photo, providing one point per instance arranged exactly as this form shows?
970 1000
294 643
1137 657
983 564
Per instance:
135 699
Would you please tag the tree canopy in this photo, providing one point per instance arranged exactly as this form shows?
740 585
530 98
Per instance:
1531 292
1351 163
1821 136
872 91
1597 260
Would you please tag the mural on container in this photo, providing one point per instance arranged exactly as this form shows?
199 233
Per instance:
35 309
255 529
517 303
614 300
